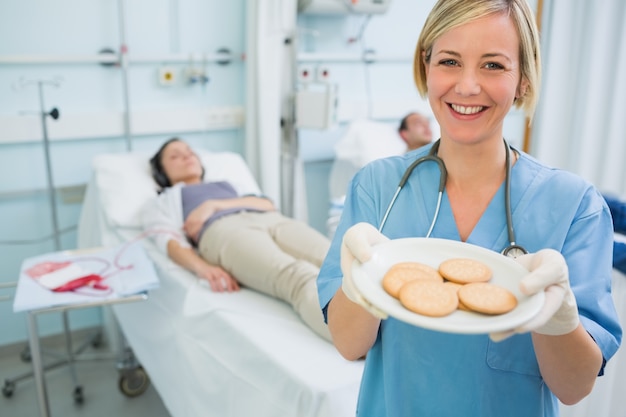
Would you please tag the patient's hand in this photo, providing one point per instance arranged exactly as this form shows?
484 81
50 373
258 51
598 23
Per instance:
218 279
197 217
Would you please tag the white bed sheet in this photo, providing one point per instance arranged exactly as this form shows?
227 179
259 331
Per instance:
215 354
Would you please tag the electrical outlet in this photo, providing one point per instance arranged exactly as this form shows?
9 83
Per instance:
322 74
305 74
166 76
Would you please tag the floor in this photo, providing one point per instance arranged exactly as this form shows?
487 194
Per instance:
99 379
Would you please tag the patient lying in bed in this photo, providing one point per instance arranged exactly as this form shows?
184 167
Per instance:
228 239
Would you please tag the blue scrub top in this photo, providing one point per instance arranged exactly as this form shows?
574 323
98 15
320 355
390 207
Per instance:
412 371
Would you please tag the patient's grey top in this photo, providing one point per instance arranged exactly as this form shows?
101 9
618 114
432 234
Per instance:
196 194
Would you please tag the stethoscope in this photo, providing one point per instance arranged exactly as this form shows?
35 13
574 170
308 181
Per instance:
513 250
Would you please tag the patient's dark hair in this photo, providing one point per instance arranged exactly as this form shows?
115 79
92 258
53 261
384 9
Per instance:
403 125
156 164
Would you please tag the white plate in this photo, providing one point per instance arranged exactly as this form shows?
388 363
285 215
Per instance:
431 251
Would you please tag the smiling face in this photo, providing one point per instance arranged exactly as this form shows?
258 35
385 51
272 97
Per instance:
180 163
473 77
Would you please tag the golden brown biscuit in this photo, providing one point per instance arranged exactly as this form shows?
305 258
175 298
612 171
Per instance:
403 272
429 298
487 298
465 270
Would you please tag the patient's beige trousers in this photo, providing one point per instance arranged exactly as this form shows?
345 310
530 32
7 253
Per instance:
273 254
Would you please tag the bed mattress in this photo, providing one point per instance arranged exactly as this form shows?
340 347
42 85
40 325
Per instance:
214 354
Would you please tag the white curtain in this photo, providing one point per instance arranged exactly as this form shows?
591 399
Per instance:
270 22
580 124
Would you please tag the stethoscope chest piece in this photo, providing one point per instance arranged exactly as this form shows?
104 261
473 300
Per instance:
514 251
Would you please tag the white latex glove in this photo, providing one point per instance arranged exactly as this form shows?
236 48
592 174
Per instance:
548 273
357 244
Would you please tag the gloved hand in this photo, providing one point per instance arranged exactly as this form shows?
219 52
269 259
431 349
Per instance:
357 244
548 273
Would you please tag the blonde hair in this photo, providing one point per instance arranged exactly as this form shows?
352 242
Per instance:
448 14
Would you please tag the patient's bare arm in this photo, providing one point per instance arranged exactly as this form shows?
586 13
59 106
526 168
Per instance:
197 217
218 279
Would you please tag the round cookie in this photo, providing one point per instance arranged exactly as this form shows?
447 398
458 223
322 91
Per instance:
429 298
464 270
487 298
403 272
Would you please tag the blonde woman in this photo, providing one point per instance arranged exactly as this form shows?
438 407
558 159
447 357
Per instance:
474 60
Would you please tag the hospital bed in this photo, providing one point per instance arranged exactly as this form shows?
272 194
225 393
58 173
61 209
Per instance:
212 354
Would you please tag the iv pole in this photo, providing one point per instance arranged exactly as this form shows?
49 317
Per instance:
34 343
54 113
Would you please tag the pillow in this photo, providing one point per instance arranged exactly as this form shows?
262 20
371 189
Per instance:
367 140
364 141
124 181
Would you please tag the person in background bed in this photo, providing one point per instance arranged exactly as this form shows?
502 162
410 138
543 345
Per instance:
474 60
228 239
415 131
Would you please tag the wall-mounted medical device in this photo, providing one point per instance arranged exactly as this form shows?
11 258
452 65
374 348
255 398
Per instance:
316 98
316 106
343 6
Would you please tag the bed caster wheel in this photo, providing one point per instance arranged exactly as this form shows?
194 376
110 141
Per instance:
134 382
8 388
78 395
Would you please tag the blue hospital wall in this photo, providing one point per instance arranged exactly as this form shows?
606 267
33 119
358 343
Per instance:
382 90
90 98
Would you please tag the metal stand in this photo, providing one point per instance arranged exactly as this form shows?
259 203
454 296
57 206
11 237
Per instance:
135 380
54 113
9 384
68 358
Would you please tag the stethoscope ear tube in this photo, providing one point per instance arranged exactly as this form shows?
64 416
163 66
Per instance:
393 200
513 250
432 156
